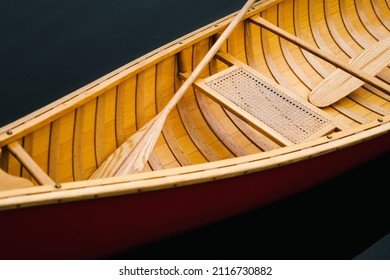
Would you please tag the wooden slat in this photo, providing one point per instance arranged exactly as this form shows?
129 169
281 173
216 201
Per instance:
78 162
17 150
54 161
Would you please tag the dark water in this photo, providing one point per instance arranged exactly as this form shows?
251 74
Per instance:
50 48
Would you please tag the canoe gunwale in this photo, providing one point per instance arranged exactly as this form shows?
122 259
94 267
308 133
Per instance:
195 174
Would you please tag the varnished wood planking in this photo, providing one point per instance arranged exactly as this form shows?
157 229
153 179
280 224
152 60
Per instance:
303 29
169 150
271 49
61 148
28 147
369 19
105 136
320 30
127 92
353 23
292 53
40 147
223 132
263 143
235 43
88 138
337 28
78 162
28 162
189 112
382 10
146 105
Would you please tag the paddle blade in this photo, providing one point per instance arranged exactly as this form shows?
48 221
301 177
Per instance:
132 155
340 83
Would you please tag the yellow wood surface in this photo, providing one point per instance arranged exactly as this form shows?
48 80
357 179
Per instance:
201 139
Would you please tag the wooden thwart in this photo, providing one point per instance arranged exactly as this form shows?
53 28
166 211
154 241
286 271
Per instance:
339 83
28 162
267 106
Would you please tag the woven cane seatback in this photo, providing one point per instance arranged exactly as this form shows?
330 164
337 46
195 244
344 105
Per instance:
280 111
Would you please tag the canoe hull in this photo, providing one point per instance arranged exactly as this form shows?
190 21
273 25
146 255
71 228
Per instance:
98 228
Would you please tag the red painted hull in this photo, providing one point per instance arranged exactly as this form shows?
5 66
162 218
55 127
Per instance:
97 228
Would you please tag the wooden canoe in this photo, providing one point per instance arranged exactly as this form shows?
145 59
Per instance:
245 133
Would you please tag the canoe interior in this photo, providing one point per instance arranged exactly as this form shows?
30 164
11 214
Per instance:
70 138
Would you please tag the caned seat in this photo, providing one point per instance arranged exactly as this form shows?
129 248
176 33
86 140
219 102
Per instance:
274 110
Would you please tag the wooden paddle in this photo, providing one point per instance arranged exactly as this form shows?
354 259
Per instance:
354 71
132 155
340 84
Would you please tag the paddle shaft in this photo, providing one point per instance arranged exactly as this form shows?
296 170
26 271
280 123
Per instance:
324 55
133 154
204 62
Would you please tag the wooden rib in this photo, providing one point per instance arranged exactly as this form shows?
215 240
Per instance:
337 29
251 44
351 114
382 11
358 25
78 167
194 133
53 151
99 130
369 19
61 149
4 157
214 122
146 108
292 55
120 115
271 63
28 147
35 170
165 88
305 30
127 92
201 134
369 105
261 141
217 128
